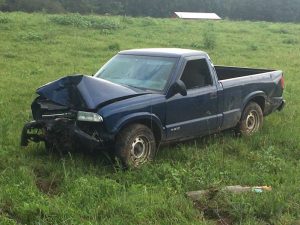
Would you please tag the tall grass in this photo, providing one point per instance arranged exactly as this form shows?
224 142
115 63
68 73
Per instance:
77 20
209 36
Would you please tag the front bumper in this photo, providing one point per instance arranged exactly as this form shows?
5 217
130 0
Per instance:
62 131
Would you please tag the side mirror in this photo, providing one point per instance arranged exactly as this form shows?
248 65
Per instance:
177 87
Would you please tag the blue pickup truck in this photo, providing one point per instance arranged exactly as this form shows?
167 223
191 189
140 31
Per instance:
146 97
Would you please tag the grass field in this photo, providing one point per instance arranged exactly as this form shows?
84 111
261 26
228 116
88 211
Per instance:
81 188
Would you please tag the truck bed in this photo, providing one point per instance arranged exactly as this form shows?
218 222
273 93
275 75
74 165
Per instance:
227 72
241 84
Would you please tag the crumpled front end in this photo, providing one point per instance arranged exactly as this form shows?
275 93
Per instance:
63 128
65 113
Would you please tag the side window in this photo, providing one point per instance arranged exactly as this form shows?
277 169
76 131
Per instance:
196 74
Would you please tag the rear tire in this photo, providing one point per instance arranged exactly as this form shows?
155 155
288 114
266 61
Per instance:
252 120
135 145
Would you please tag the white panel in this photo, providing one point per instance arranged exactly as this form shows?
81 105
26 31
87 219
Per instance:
193 15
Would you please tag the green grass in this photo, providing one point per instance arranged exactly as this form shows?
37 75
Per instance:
81 188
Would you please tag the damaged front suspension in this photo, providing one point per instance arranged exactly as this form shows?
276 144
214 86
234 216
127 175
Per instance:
35 137
49 131
60 132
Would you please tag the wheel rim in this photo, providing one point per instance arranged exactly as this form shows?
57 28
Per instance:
139 150
252 121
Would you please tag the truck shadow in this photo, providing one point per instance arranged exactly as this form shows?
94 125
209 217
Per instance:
105 161
51 171
80 157
185 151
200 141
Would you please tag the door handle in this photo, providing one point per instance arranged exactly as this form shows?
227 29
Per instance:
213 95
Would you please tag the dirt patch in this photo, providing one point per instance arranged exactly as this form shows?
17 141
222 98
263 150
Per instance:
218 215
49 187
47 182
6 210
214 207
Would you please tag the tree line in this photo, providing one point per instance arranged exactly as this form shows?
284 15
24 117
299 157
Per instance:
267 10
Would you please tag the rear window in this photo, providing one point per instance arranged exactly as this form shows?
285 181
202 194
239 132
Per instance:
196 74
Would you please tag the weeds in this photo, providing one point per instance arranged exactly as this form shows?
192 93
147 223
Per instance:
10 55
31 36
147 21
209 37
253 47
76 20
196 45
4 19
114 47
281 31
290 41
127 20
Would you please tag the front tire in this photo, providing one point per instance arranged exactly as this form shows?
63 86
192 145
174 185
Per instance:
135 145
252 120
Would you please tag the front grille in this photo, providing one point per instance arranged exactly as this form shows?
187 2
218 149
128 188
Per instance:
42 107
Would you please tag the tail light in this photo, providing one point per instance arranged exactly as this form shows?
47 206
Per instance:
282 81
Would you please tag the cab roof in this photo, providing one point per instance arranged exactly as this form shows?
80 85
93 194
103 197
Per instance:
163 52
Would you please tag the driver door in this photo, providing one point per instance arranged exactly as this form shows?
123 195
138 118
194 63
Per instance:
197 113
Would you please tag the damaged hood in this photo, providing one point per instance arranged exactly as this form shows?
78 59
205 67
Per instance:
85 92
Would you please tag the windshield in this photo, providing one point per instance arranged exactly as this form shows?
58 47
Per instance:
144 72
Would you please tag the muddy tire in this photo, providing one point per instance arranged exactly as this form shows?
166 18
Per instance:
135 146
251 121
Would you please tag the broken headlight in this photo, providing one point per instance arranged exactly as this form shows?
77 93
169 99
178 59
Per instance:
89 117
